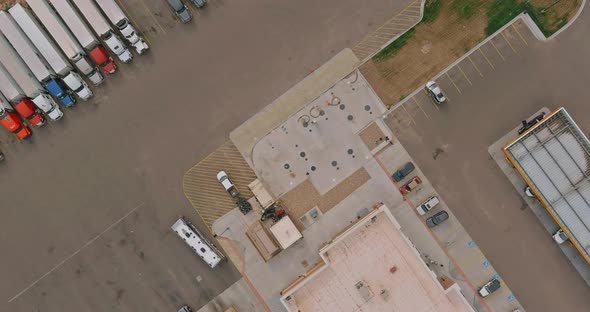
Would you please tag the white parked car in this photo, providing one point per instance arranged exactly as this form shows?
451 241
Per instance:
227 183
435 92
560 237
427 205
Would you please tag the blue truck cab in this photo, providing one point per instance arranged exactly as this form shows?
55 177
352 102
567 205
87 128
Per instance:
58 89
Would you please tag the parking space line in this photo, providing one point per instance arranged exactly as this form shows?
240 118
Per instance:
521 37
507 41
153 17
451 79
73 254
493 45
475 66
413 121
432 102
413 98
462 72
487 59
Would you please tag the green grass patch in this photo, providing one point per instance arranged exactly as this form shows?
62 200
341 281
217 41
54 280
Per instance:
395 46
466 8
501 12
431 10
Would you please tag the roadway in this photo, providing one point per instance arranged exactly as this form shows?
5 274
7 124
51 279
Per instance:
87 204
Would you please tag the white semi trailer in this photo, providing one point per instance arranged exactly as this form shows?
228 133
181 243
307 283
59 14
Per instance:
16 71
114 13
24 47
9 87
49 52
59 32
103 29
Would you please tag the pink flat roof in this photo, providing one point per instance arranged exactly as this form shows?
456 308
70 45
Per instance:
365 254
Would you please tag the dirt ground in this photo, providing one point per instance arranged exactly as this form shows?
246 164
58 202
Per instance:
437 44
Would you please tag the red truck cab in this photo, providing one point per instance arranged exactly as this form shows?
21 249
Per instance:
100 56
30 112
12 122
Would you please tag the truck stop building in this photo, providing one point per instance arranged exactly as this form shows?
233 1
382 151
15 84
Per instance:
372 266
553 157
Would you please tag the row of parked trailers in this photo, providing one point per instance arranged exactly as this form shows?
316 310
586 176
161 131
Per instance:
38 46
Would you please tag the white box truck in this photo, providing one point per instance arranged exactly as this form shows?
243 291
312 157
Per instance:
114 13
24 78
58 31
102 28
49 53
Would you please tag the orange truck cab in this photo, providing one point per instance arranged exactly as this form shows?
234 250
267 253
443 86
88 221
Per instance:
30 112
12 122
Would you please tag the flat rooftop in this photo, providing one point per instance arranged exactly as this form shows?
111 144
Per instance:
372 266
320 141
553 158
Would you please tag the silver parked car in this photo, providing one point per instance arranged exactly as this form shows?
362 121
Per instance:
435 92
181 11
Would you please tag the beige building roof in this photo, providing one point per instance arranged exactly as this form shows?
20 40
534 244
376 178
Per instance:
372 266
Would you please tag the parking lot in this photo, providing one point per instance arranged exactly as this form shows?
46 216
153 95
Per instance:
88 201
489 93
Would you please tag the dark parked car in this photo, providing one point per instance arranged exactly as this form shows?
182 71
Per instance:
437 219
528 124
403 172
489 287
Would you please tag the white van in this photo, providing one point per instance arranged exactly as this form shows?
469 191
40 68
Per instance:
427 205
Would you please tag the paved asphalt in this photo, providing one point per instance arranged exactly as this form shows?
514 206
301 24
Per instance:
551 74
87 204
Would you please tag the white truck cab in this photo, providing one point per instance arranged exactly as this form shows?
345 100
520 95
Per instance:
117 46
78 85
131 35
48 105
88 70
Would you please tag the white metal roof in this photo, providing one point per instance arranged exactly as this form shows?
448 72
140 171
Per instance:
554 156
40 39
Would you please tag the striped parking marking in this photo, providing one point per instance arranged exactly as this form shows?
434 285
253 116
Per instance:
475 66
462 72
508 41
454 84
521 37
418 104
493 45
487 59
153 17
408 113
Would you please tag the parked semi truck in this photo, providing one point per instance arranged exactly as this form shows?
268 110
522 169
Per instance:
18 82
34 62
114 13
62 36
82 33
103 29
50 53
